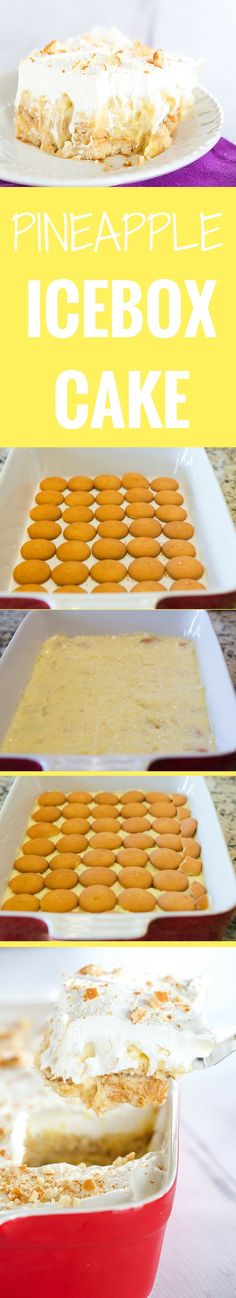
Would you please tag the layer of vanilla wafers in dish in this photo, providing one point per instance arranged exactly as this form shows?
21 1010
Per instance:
108 534
99 95
100 852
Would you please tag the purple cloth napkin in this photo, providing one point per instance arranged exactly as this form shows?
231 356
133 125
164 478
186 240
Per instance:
217 168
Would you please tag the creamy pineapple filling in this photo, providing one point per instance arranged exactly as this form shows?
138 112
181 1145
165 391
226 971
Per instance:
58 1132
103 694
55 1152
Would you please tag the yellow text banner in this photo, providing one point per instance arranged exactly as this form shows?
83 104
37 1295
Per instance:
117 316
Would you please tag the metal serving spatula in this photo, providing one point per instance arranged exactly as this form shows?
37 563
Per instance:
220 1052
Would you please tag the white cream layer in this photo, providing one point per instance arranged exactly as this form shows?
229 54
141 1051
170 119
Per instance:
123 1026
85 69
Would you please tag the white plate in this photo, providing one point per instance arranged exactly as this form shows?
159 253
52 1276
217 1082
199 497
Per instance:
18 660
24 165
215 535
218 869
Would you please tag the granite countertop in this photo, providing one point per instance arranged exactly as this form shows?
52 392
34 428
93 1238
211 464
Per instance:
223 793
5 785
225 627
9 622
3 455
224 464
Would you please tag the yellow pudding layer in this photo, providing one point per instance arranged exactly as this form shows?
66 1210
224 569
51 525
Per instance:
105 694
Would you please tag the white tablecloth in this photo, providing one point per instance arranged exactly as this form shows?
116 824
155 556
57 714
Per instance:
199 1251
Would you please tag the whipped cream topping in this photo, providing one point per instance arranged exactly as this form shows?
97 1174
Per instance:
105 1024
104 72
94 1188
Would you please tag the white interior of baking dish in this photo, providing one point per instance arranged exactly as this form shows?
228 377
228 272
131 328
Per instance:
215 535
218 870
17 663
166 1130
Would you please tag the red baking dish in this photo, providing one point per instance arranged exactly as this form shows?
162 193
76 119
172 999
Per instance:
84 1254
95 1250
19 764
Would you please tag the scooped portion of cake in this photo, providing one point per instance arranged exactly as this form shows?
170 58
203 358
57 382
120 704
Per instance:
99 95
60 1153
112 1041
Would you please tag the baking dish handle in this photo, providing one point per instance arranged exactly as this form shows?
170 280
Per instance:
202 763
14 601
8 764
185 601
22 928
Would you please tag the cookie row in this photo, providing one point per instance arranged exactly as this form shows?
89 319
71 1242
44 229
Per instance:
143 855
117 523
